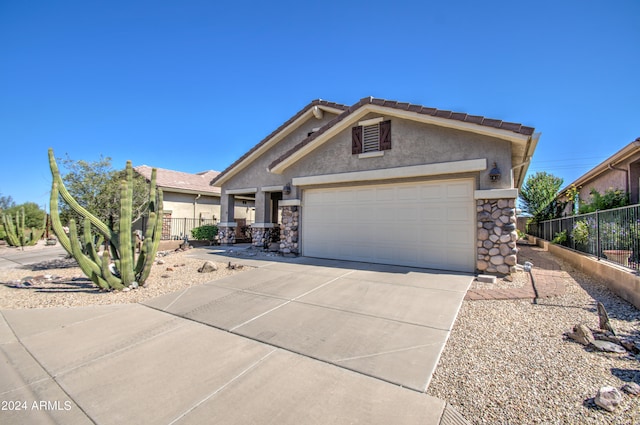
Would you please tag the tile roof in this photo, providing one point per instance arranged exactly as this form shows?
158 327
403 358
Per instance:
170 179
458 116
348 110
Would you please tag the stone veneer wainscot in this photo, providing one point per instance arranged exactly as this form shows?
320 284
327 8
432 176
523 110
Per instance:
497 236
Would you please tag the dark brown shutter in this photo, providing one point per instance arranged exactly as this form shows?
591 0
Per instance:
385 135
356 140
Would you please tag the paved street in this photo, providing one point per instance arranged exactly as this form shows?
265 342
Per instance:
15 257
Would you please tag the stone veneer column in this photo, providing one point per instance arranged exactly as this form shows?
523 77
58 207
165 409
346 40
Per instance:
226 234
497 236
258 236
289 230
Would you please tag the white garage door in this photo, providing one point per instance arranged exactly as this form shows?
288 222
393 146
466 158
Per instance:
425 224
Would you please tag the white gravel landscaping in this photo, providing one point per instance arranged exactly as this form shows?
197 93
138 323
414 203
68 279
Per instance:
507 362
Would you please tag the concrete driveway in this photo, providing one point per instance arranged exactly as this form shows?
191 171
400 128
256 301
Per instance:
306 341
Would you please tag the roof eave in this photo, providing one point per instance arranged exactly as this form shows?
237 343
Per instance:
624 153
291 159
166 189
235 169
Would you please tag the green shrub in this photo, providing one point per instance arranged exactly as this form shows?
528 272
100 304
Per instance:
561 237
580 232
612 198
205 233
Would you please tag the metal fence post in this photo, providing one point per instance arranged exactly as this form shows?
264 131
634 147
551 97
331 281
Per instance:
598 242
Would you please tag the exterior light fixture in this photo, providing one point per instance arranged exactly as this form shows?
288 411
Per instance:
495 174
286 189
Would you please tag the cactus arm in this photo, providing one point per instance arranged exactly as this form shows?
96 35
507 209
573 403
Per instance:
125 245
87 243
7 222
56 225
20 226
88 267
154 241
111 280
147 246
102 228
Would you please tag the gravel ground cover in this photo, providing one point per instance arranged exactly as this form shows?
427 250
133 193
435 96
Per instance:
507 362
70 288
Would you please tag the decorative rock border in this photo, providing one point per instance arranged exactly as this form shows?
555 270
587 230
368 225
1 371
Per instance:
496 245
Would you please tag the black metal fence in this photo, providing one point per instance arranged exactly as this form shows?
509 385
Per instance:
178 228
611 234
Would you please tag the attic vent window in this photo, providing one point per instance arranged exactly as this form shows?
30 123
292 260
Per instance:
371 136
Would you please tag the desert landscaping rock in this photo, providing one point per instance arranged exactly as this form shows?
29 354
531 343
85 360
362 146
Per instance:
608 398
631 388
608 346
534 375
70 288
581 334
208 267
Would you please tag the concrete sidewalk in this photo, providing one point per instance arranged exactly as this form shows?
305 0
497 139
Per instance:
286 343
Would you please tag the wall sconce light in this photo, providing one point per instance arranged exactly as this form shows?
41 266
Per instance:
495 174
286 189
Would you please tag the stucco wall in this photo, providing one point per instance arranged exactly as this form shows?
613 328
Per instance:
412 144
257 173
627 180
181 205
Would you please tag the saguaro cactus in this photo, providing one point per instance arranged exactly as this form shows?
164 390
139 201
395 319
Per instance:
117 267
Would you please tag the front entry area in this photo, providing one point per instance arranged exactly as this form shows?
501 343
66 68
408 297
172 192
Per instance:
429 224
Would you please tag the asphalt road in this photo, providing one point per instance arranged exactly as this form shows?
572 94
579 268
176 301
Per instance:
15 257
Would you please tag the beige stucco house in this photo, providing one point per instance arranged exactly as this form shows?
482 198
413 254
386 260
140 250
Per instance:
385 182
190 200
620 171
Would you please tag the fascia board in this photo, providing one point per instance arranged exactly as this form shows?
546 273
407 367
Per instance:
624 153
496 194
387 112
443 168
274 140
244 191
167 189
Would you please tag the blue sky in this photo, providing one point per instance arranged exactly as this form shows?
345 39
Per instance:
192 85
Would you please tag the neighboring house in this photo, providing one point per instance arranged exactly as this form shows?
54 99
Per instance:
620 171
189 200
386 182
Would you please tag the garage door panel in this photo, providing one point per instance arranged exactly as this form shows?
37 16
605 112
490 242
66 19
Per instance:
458 190
427 224
433 213
433 192
459 213
385 194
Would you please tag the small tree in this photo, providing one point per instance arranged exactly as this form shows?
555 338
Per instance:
539 196
95 185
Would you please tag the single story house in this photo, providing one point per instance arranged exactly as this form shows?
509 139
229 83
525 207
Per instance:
190 200
385 182
620 171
